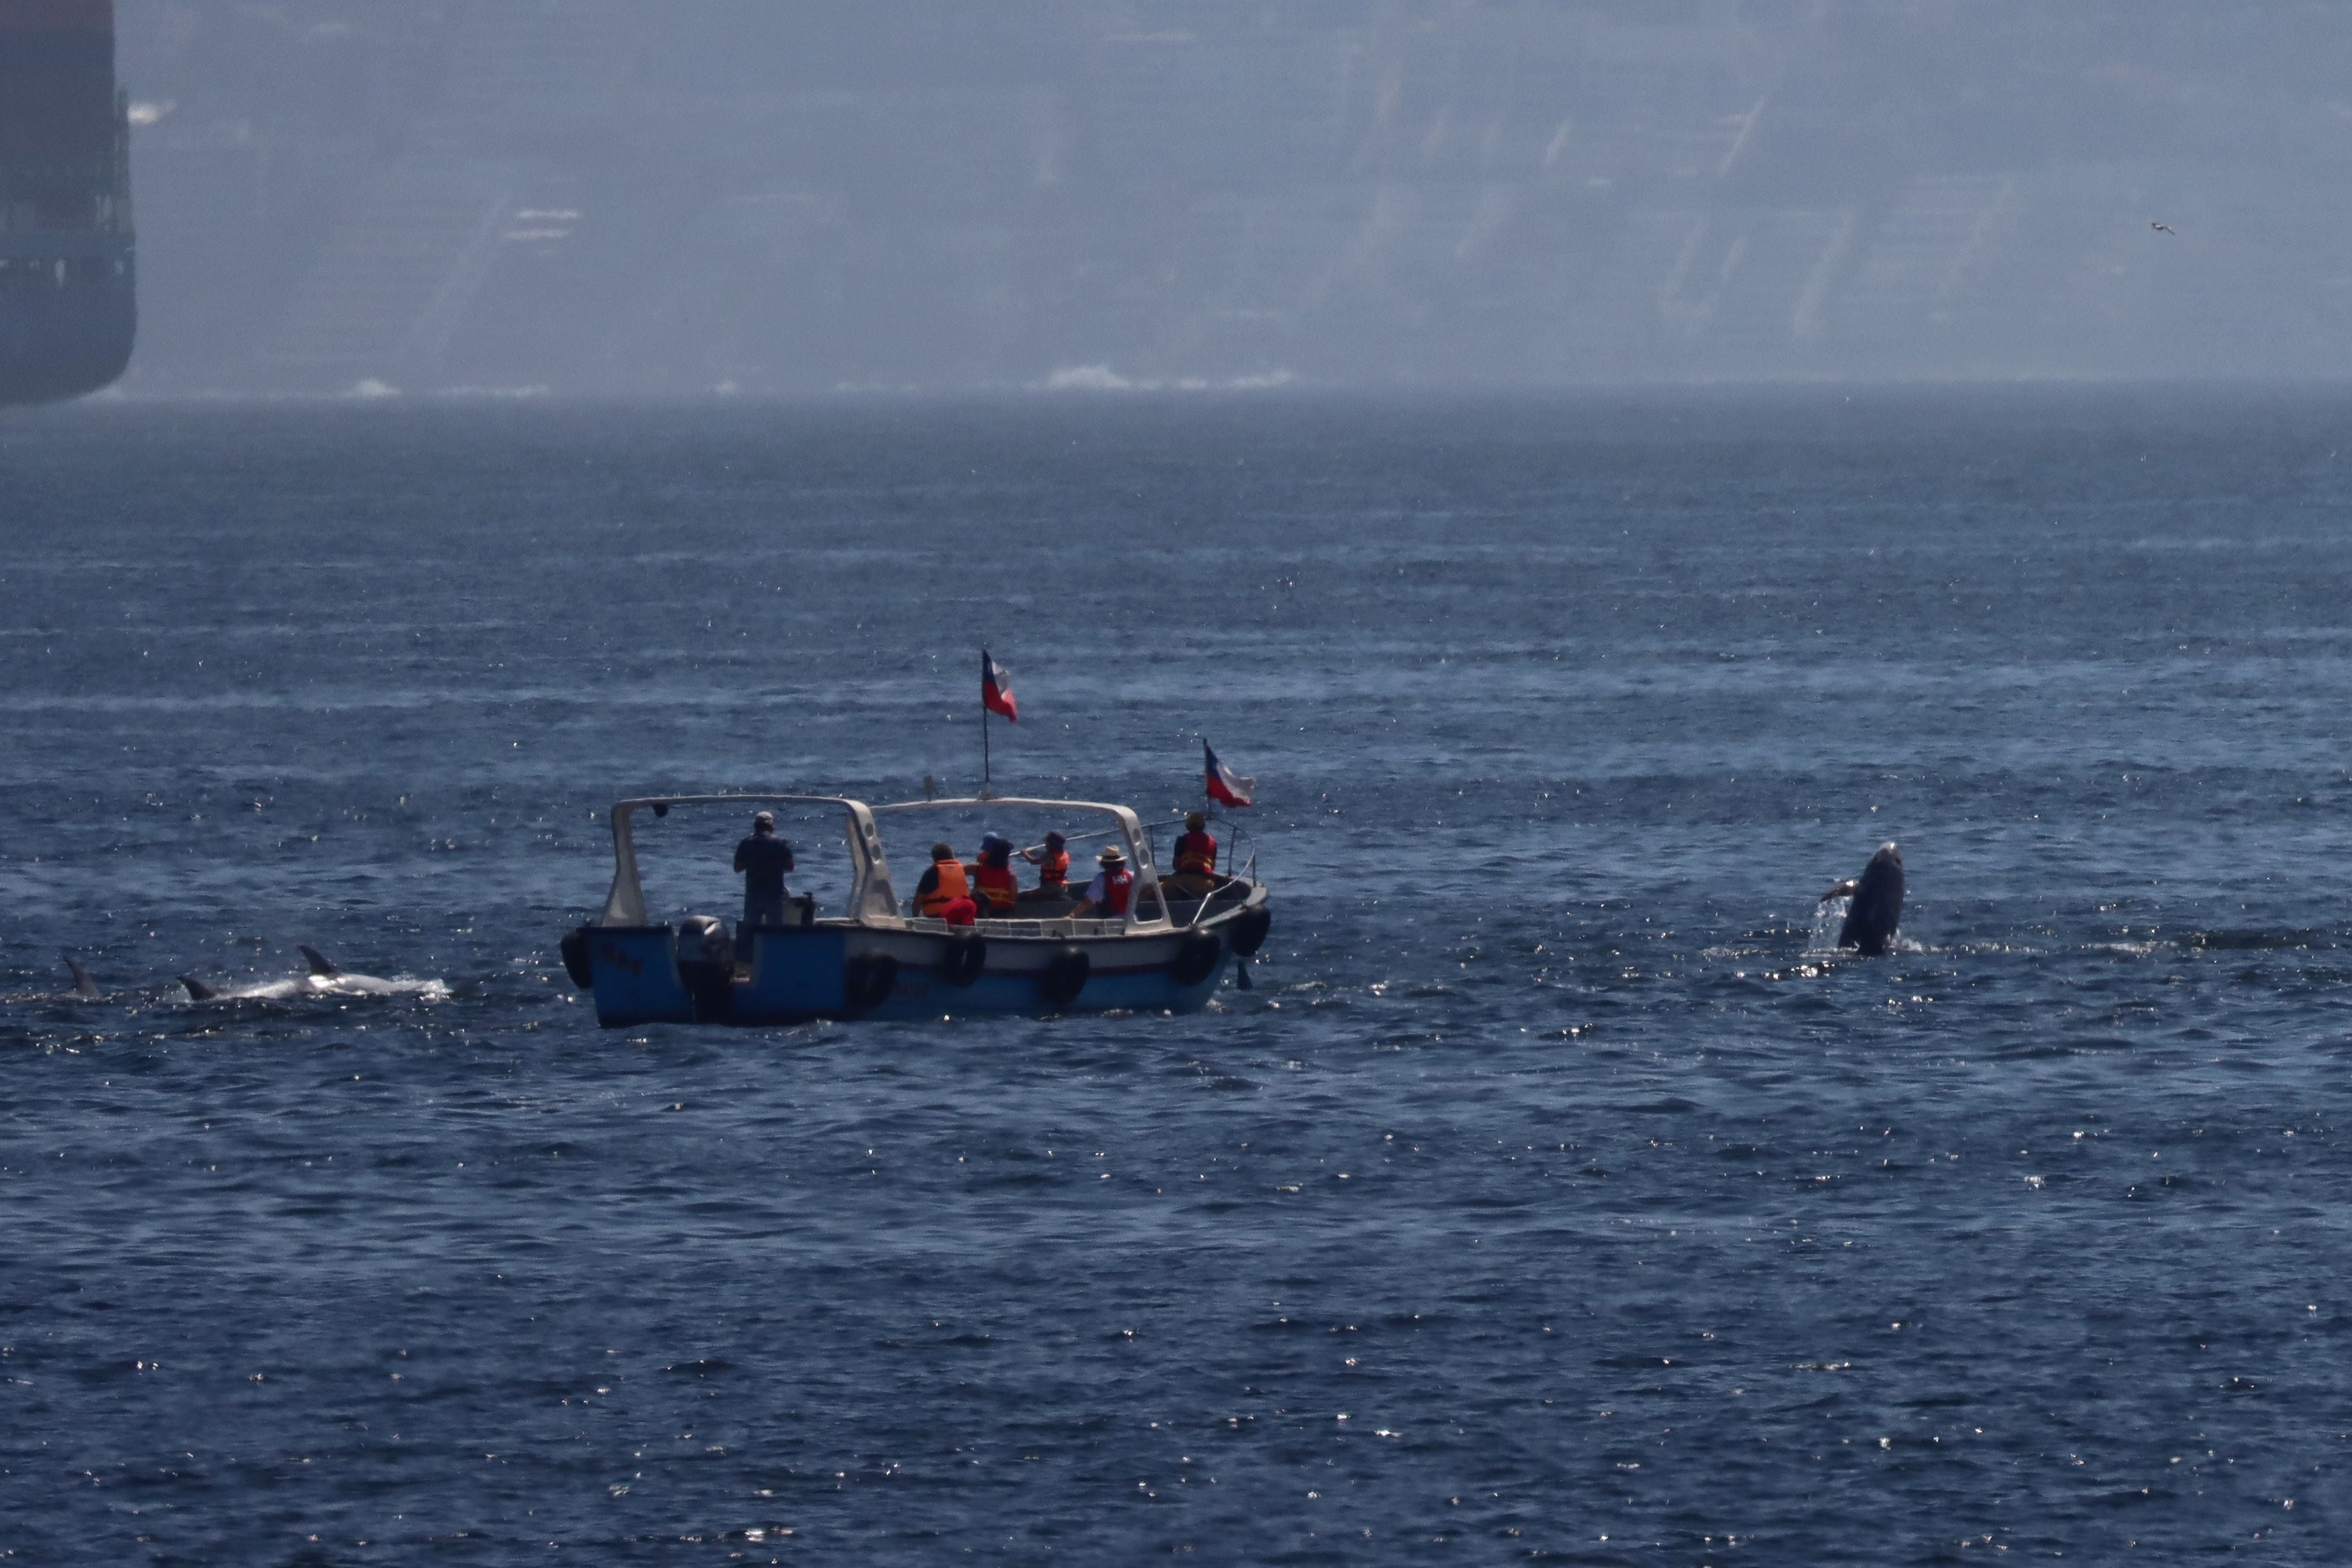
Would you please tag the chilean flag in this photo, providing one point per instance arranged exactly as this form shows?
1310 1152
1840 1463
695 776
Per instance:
996 689
1223 783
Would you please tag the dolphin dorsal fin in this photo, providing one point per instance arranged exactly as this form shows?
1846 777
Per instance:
85 987
319 964
197 990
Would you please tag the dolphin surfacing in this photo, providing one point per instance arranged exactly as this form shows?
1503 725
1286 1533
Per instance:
1876 912
85 988
321 979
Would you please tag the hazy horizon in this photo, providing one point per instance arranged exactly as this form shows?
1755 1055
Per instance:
584 198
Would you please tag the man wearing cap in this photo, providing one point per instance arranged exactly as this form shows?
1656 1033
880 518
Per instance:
763 859
1106 894
1052 860
1196 860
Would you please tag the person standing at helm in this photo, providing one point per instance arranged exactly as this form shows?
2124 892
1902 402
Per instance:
763 859
1196 850
1106 894
1052 863
945 892
997 885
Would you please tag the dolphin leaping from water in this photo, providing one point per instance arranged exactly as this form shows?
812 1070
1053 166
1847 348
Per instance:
1871 919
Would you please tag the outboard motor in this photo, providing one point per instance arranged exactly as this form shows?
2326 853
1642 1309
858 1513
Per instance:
706 964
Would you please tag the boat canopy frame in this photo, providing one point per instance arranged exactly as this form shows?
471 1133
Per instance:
870 892
1138 847
873 900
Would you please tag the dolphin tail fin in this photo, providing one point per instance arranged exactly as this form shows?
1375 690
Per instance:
85 988
197 990
319 964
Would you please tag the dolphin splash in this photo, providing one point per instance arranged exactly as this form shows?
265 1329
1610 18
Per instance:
323 980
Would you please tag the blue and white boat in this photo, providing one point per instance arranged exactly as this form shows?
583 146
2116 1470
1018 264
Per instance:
1167 952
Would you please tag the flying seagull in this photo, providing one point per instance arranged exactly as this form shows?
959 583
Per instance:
2161 227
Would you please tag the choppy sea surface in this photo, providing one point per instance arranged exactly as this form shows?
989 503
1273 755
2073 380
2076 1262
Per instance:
1550 1195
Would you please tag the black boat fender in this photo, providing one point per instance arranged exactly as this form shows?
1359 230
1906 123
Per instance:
1064 976
575 959
867 981
1196 956
1248 929
964 958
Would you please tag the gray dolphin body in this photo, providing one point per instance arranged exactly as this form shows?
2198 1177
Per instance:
85 988
323 979
1876 912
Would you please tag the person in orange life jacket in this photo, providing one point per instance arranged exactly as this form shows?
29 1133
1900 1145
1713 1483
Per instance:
1196 851
945 892
1106 894
993 876
1052 863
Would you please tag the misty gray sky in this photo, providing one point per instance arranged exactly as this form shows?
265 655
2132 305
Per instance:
613 198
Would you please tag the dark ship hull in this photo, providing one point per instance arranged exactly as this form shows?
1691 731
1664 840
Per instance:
68 301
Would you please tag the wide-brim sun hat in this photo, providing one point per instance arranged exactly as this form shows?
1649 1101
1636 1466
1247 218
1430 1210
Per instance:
1111 854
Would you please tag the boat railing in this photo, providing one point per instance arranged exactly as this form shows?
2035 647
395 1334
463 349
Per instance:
1066 926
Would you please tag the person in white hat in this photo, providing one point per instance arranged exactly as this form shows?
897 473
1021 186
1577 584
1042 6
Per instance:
1107 895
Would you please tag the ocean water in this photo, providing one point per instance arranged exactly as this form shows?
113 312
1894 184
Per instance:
1550 1195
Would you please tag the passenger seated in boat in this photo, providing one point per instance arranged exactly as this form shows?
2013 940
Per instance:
1196 861
996 886
1106 894
763 859
1052 860
945 892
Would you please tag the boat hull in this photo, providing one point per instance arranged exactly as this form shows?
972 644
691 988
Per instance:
793 974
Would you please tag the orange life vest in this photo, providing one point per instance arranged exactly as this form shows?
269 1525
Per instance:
1054 870
1116 885
997 885
952 886
1197 852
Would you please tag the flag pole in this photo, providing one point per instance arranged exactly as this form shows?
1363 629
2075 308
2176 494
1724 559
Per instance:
1208 802
986 777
